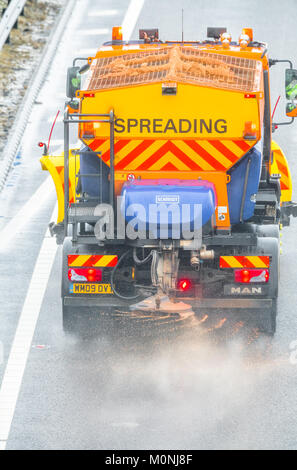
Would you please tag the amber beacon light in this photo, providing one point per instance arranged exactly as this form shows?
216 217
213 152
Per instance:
117 33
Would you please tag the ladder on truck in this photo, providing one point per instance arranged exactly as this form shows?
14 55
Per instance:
82 210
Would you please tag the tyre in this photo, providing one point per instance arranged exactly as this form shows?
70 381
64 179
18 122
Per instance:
266 321
70 319
86 321
270 246
67 249
77 320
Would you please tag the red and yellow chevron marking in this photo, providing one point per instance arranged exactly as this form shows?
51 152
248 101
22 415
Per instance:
60 171
280 165
55 165
92 261
244 262
172 155
283 171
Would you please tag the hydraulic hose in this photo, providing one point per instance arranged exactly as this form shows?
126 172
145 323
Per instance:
117 294
141 261
154 267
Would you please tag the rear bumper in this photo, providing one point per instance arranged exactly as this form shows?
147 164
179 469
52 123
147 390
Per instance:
215 303
230 303
83 301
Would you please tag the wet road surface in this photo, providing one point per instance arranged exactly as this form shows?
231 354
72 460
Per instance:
210 384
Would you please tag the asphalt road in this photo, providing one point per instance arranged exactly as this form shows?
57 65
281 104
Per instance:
217 385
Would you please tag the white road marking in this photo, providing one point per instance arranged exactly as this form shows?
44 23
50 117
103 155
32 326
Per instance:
13 376
94 13
131 18
35 203
93 32
21 346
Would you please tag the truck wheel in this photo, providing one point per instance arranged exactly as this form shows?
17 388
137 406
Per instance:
267 320
270 246
85 321
69 320
80 321
73 319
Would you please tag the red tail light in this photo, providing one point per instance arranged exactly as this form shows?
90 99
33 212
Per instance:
84 275
91 275
251 275
184 284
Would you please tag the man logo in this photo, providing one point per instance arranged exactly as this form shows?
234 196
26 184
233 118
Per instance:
246 290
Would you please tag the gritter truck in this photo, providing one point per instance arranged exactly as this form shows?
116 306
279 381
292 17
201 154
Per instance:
175 196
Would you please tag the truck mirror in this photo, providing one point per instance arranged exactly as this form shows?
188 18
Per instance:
73 83
291 84
291 110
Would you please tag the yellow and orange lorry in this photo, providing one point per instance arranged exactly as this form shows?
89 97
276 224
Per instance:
177 194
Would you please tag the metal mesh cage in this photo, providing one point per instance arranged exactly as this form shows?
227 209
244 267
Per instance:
176 63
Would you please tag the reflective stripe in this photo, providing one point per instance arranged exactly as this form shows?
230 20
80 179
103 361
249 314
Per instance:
92 261
244 262
172 155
